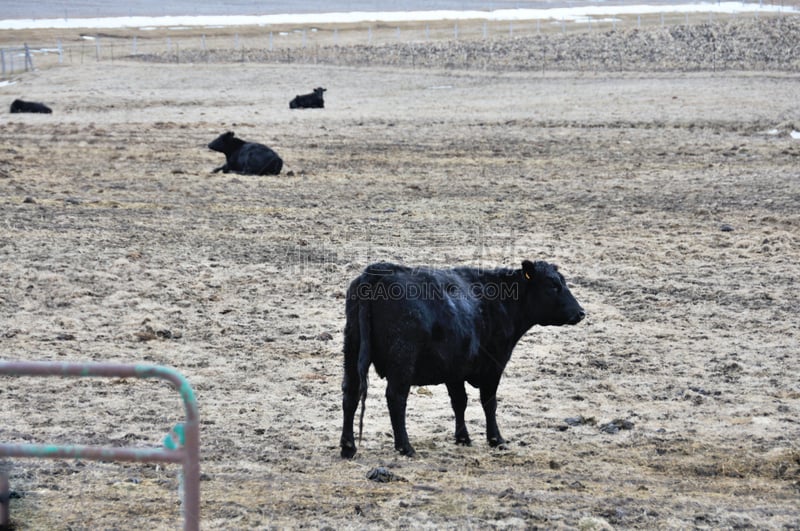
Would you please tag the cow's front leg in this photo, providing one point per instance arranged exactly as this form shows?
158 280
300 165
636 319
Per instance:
458 399
396 398
489 402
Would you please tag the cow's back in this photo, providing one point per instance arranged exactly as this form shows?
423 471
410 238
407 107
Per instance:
421 320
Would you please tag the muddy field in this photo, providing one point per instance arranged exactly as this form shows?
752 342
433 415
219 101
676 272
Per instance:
670 201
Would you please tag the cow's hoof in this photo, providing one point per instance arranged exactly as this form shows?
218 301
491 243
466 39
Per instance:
499 443
407 451
463 441
348 450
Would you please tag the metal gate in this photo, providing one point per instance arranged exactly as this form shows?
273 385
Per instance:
181 445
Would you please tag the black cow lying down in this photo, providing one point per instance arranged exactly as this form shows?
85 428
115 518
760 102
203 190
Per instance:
245 157
29 106
309 101
429 326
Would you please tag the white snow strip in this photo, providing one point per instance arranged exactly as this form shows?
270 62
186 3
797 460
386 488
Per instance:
566 13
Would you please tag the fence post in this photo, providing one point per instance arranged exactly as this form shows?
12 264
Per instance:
60 53
28 58
3 60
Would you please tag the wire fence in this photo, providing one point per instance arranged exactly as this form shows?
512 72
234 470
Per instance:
15 60
323 43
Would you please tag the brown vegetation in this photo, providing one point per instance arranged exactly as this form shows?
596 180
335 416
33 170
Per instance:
670 200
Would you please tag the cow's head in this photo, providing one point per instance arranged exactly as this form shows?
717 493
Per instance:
222 143
319 90
545 296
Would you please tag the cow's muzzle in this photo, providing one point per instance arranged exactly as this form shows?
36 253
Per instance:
578 317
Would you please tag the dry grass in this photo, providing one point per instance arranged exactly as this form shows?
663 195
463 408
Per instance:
625 180
661 42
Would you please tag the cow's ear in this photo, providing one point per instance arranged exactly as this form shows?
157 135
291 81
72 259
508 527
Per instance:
528 269
229 134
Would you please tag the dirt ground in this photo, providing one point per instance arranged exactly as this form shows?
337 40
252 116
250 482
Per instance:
671 203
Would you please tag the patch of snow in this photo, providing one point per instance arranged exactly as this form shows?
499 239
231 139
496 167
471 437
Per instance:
563 13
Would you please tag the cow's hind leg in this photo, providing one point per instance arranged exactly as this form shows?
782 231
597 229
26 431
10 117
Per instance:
458 399
349 407
350 395
396 399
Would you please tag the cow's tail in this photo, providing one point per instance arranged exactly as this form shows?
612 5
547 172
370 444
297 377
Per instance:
364 359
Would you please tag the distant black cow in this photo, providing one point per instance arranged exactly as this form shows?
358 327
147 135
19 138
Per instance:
429 326
309 101
246 157
29 106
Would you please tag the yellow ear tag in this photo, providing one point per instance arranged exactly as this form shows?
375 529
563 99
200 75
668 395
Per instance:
527 275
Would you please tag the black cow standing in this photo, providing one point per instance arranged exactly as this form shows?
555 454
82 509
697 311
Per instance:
429 326
309 101
245 157
30 106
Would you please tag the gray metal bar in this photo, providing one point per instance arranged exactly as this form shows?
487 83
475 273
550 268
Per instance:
5 493
150 455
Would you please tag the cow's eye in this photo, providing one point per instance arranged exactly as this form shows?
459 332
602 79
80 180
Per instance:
556 286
